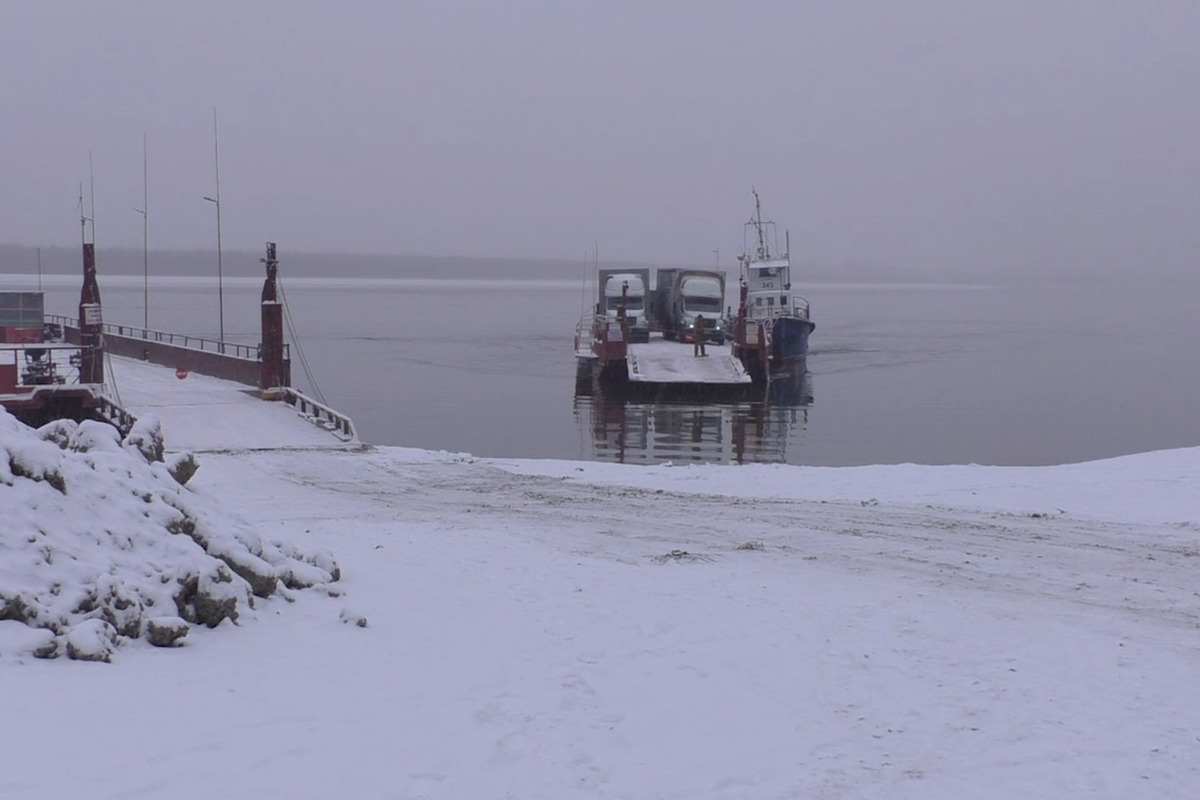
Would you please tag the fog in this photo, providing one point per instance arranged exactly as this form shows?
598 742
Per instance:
965 138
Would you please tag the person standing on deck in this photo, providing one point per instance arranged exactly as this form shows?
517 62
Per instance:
698 337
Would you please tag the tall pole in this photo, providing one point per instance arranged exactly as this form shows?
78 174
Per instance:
217 202
39 269
145 236
145 212
274 371
92 193
91 319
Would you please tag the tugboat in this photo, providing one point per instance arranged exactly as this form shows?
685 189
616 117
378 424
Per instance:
773 323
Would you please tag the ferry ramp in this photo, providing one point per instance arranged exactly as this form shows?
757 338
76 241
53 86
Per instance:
661 361
202 413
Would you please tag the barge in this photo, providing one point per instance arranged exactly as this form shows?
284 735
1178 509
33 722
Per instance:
624 343
608 352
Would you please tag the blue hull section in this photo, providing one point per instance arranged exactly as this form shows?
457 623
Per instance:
789 339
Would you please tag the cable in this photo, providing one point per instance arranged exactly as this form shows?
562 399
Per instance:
110 378
287 316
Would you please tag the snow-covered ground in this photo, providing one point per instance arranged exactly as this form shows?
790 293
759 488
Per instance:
558 629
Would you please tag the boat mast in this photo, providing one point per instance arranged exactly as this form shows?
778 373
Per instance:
763 252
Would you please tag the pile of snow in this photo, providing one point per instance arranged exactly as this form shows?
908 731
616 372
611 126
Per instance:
103 543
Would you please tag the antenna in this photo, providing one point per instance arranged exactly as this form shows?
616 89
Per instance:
583 288
83 218
145 212
39 251
92 191
217 202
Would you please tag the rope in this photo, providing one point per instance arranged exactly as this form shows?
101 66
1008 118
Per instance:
287 316
110 378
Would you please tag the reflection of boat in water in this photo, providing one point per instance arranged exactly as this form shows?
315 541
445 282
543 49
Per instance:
636 429
773 323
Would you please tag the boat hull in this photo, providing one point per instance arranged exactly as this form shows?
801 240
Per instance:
789 339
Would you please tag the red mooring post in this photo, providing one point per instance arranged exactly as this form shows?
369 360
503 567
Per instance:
273 376
91 321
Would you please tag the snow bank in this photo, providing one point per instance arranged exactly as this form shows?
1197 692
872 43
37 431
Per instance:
555 629
103 543
1161 487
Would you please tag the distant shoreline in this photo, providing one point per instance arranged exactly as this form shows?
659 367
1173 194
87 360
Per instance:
23 260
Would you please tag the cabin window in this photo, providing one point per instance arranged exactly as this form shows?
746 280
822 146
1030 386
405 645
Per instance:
783 299
770 301
758 301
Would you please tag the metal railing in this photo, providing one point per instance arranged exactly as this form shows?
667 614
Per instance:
233 349
121 419
42 364
795 307
585 334
321 415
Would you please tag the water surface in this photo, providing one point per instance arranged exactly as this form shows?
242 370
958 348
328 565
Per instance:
924 373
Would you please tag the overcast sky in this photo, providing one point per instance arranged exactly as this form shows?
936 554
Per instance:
957 135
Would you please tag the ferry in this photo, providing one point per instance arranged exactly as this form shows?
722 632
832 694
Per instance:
625 342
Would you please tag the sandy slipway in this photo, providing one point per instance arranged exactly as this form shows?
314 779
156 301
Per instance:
554 629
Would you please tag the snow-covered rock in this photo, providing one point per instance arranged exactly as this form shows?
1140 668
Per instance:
352 617
182 467
91 640
102 543
165 631
93 435
147 438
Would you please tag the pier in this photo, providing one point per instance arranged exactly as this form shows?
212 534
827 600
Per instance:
54 366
